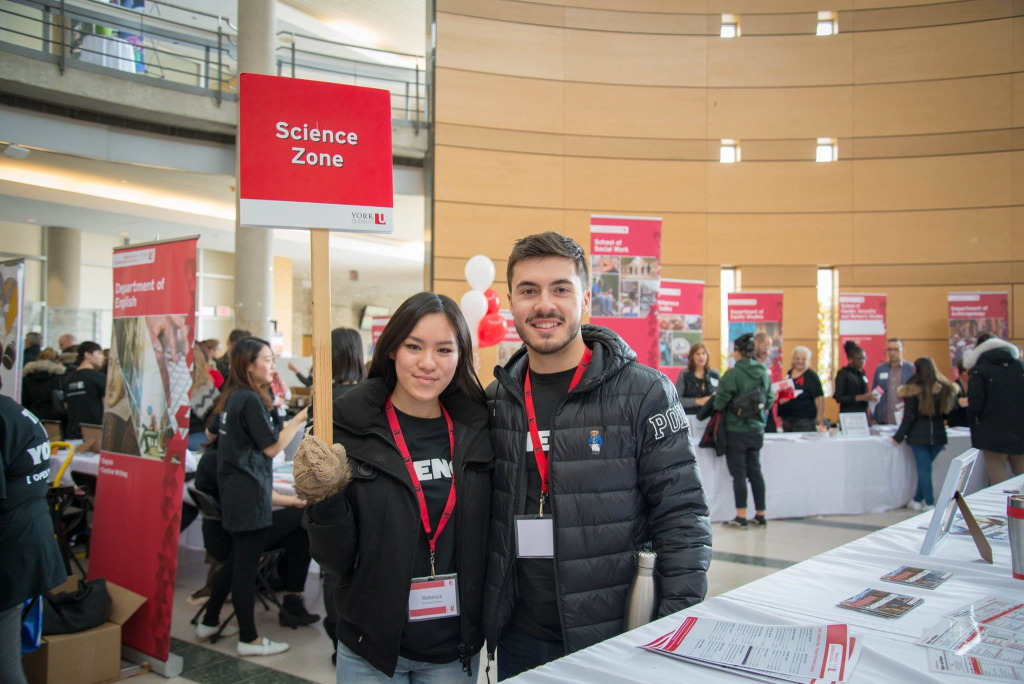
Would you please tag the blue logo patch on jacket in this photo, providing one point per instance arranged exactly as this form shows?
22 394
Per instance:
595 441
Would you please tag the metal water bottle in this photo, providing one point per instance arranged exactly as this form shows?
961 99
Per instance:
642 601
1015 523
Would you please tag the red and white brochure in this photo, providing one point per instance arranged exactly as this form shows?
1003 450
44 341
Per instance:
801 654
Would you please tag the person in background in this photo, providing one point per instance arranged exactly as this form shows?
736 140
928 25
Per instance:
852 393
890 375
306 380
927 397
224 362
763 348
738 396
69 357
32 562
959 416
995 404
33 345
40 379
66 341
204 395
699 383
85 390
209 360
248 441
213 349
806 411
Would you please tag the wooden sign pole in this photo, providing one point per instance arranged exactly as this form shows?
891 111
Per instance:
320 268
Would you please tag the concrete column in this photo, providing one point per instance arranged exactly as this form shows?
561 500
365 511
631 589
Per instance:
63 267
254 259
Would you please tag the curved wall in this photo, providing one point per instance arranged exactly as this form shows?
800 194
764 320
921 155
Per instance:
547 112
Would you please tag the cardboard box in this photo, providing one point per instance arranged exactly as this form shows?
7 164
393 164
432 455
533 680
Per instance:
87 657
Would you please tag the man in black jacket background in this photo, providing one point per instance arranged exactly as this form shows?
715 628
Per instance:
620 468
995 411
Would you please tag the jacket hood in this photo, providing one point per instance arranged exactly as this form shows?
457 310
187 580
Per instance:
363 407
943 388
752 368
610 355
995 350
47 367
68 358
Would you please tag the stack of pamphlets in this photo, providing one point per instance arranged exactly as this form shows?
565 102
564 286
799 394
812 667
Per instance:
881 603
814 654
983 639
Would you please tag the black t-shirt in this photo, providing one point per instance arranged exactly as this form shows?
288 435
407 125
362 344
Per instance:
431 641
244 472
804 405
537 611
83 392
31 559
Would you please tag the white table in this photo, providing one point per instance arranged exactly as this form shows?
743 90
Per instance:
833 476
806 593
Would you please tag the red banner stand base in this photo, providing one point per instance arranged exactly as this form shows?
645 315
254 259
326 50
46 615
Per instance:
172 667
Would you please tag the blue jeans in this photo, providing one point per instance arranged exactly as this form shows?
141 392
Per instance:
924 454
518 652
355 670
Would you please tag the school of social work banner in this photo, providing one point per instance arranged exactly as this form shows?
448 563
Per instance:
681 321
973 313
12 334
145 430
625 266
755 312
862 320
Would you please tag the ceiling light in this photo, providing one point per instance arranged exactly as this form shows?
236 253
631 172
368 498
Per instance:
31 220
16 151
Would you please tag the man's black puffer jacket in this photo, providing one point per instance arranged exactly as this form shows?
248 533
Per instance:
643 486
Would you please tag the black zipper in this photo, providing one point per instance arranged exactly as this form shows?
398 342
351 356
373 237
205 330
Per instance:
464 656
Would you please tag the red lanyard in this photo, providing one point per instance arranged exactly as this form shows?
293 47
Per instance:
531 419
403 449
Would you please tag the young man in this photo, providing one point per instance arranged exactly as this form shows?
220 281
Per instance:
890 375
557 587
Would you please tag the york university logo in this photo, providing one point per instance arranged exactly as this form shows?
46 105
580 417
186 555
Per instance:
369 218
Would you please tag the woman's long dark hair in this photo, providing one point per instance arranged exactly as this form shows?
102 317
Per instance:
243 354
347 365
925 376
401 325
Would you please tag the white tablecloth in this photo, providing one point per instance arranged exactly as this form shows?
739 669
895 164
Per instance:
807 593
833 476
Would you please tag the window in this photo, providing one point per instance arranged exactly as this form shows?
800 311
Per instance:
828 293
828 25
730 26
729 152
730 282
827 150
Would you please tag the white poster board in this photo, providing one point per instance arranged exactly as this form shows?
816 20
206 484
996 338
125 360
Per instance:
12 334
854 424
957 476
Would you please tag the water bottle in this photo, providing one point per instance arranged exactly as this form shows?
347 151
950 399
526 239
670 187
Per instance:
642 600
1015 523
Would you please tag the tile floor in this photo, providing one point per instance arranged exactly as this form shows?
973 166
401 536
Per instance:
739 557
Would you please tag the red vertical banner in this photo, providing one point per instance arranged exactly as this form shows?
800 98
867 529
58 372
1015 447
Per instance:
377 325
974 313
625 274
756 312
681 323
862 320
145 430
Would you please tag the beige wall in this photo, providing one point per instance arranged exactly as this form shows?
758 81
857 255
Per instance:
549 111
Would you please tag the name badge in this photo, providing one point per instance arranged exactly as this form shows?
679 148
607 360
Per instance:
714 382
883 376
432 598
535 537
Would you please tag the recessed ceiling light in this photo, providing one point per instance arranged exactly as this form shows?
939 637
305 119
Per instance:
31 220
125 234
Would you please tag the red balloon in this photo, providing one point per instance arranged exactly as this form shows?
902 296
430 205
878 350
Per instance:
493 301
491 330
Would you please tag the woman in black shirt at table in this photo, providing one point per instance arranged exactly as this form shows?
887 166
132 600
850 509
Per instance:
248 441
805 411
699 383
852 391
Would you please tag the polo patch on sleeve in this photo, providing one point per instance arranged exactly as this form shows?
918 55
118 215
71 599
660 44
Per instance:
671 421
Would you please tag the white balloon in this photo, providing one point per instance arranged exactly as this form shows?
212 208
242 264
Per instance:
474 308
480 272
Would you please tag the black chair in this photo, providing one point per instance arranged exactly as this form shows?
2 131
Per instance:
209 508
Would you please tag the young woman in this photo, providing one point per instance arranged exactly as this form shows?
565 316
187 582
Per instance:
806 411
959 416
927 398
41 378
248 440
410 500
699 383
204 395
852 391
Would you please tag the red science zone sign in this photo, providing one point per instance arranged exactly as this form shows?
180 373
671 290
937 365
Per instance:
314 155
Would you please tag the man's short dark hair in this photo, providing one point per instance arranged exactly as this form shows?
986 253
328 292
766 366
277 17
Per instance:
547 245
744 344
87 348
895 339
33 339
238 334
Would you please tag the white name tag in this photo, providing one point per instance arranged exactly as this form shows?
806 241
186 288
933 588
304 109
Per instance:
432 598
883 376
714 382
535 537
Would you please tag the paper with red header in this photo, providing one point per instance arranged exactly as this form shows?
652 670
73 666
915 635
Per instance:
965 666
625 275
681 323
994 611
806 652
313 154
432 598
862 320
975 641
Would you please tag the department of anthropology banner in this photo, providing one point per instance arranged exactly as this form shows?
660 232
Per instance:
681 322
755 312
625 273
862 320
12 332
145 429
973 313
